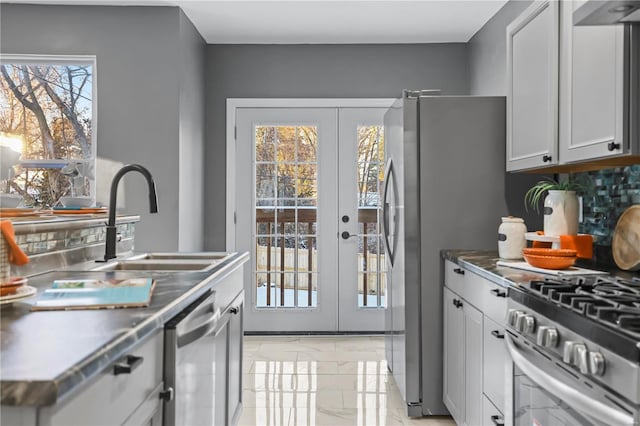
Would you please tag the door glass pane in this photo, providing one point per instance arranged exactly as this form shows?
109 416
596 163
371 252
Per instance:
286 200
370 177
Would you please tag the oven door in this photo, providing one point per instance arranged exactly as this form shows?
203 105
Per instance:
546 393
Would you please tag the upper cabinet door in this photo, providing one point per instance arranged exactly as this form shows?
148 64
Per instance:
594 90
532 92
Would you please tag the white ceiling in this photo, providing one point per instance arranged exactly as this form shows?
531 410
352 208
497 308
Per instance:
325 21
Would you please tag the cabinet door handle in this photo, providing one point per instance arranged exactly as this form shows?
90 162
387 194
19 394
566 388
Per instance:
167 394
497 335
234 310
612 146
459 271
131 363
497 420
499 293
457 303
546 158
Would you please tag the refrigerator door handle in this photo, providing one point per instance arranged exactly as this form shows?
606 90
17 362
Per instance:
385 208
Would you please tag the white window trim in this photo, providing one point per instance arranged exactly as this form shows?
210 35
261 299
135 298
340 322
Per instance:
233 104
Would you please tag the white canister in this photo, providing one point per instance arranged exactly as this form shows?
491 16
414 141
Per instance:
511 239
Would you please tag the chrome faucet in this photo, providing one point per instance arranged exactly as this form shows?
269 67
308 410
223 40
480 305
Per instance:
110 244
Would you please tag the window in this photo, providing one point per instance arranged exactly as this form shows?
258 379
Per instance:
47 127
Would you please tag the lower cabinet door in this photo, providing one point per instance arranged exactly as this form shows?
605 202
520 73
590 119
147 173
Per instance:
236 337
473 364
491 416
453 380
495 362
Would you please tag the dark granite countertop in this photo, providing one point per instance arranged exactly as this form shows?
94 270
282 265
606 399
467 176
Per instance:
46 355
483 263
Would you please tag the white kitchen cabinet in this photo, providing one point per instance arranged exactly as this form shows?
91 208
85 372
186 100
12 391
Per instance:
494 362
572 91
594 89
125 393
454 356
462 359
532 87
491 416
472 364
475 358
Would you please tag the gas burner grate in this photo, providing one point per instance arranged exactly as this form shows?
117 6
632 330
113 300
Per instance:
611 301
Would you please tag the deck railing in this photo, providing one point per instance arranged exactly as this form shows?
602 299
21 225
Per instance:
304 261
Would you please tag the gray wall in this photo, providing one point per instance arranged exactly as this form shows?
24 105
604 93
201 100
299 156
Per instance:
192 137
487 76
488 49
140 111
312 71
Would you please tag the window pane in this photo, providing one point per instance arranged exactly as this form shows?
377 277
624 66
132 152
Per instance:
46 129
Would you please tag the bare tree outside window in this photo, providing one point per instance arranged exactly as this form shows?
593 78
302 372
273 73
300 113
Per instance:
46 113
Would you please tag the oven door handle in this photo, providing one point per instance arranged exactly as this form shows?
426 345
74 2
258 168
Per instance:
571 396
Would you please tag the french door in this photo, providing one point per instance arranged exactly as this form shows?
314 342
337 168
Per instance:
308 186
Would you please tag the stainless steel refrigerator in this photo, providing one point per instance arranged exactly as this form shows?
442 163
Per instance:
444 188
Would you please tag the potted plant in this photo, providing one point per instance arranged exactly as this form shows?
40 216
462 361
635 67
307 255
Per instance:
560 205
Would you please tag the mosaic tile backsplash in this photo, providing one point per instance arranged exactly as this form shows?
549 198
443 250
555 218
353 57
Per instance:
607 194
44 242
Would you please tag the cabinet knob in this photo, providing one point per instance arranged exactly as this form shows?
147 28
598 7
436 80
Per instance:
234 310
457 303
498 293
167 394
497 420
497 335
546 158
612 146
131 363
459 271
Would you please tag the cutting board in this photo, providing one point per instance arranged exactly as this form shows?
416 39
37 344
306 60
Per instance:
626 240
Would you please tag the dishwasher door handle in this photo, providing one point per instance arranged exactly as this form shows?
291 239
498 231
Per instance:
202 330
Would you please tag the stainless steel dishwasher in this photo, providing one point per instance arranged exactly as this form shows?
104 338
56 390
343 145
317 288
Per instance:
200 352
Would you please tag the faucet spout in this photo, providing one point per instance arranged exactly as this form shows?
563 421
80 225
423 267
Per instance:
110 243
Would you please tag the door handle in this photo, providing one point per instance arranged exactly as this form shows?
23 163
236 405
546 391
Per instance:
496 334
346 235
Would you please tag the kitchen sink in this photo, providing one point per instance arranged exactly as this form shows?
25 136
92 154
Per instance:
156 265
208 256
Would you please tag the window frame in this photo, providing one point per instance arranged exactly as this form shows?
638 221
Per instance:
35 59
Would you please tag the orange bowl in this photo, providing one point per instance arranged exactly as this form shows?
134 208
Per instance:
550 252
549 262
12 286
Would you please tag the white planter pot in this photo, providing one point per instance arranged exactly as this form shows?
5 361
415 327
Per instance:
561 213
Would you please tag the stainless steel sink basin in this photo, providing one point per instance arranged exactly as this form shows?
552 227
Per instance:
208 256
166 261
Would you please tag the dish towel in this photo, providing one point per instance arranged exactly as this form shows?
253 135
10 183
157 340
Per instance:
582 244
16 255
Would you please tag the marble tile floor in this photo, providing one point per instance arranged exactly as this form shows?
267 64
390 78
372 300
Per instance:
321 380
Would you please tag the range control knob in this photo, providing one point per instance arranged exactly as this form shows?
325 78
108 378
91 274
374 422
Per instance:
596 363
547 336
568 352
525 323
581 359
512 315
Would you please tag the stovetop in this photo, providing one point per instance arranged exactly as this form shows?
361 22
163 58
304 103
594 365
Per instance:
604 309
614 302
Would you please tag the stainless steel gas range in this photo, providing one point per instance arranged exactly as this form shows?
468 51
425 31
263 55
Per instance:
575 346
